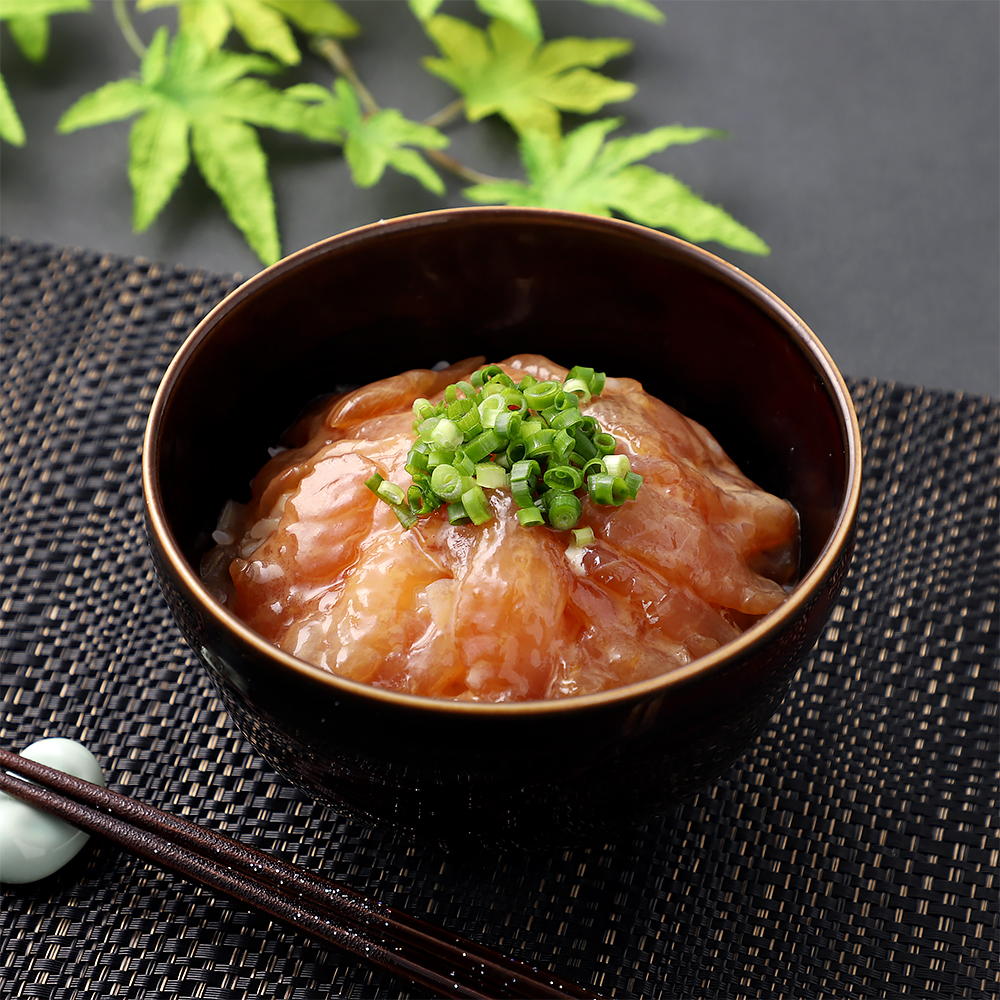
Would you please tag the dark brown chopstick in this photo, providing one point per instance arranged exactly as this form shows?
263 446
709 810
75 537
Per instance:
411 948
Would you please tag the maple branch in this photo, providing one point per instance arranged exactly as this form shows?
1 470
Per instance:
446 115
127 28
333 52
458 168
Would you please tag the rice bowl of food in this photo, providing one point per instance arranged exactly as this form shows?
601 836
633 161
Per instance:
501 525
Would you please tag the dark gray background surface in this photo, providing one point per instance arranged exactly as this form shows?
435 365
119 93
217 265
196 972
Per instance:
864 148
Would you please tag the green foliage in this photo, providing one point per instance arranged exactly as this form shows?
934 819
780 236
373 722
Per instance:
637 8
11 127
502 71
520 14
265 25
195 99
371 141
581 172
28 23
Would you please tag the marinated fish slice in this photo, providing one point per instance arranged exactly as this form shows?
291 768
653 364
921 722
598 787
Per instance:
391 395
379 615
512 589
670 531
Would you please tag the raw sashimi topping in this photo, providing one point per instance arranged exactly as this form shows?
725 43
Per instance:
614 585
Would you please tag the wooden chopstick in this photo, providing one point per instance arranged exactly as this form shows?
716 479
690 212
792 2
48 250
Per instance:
386 937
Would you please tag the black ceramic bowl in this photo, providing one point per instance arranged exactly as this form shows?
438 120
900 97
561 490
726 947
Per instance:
408 293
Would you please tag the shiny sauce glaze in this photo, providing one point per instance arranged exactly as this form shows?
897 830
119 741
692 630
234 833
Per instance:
320 567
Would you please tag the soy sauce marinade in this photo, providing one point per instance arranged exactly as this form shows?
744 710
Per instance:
341 560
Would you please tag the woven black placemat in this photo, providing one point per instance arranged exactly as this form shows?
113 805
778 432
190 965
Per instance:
852 853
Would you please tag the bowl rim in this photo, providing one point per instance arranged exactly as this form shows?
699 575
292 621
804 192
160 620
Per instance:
640 691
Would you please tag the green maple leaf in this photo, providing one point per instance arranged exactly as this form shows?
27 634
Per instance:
28 21
522 14
637 8
371 142
194 99
503 71
11 128
582 172
263 24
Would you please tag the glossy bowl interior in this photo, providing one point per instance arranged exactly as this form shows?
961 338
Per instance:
410 292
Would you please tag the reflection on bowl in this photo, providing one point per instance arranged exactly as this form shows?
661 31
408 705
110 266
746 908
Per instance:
697 332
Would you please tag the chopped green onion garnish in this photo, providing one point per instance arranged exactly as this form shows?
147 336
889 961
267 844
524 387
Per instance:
491 476
514 399
508 424
562 446
605 443
538 444
579 388
563 477
515 451
422 501
459 407
523 493
470 424
565 419
491 408
416 461
483 444
564 509
446 434
617 465
457 513
541 394
605 489
530 438
585 446
391 493
424 427
423 408
463 463
446 482
502 378
476 506
530 516
404 515
527 468
439 456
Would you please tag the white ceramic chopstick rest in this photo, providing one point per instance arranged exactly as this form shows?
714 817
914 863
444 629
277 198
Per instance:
33 844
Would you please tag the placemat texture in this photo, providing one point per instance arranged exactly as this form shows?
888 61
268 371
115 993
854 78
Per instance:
852 853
